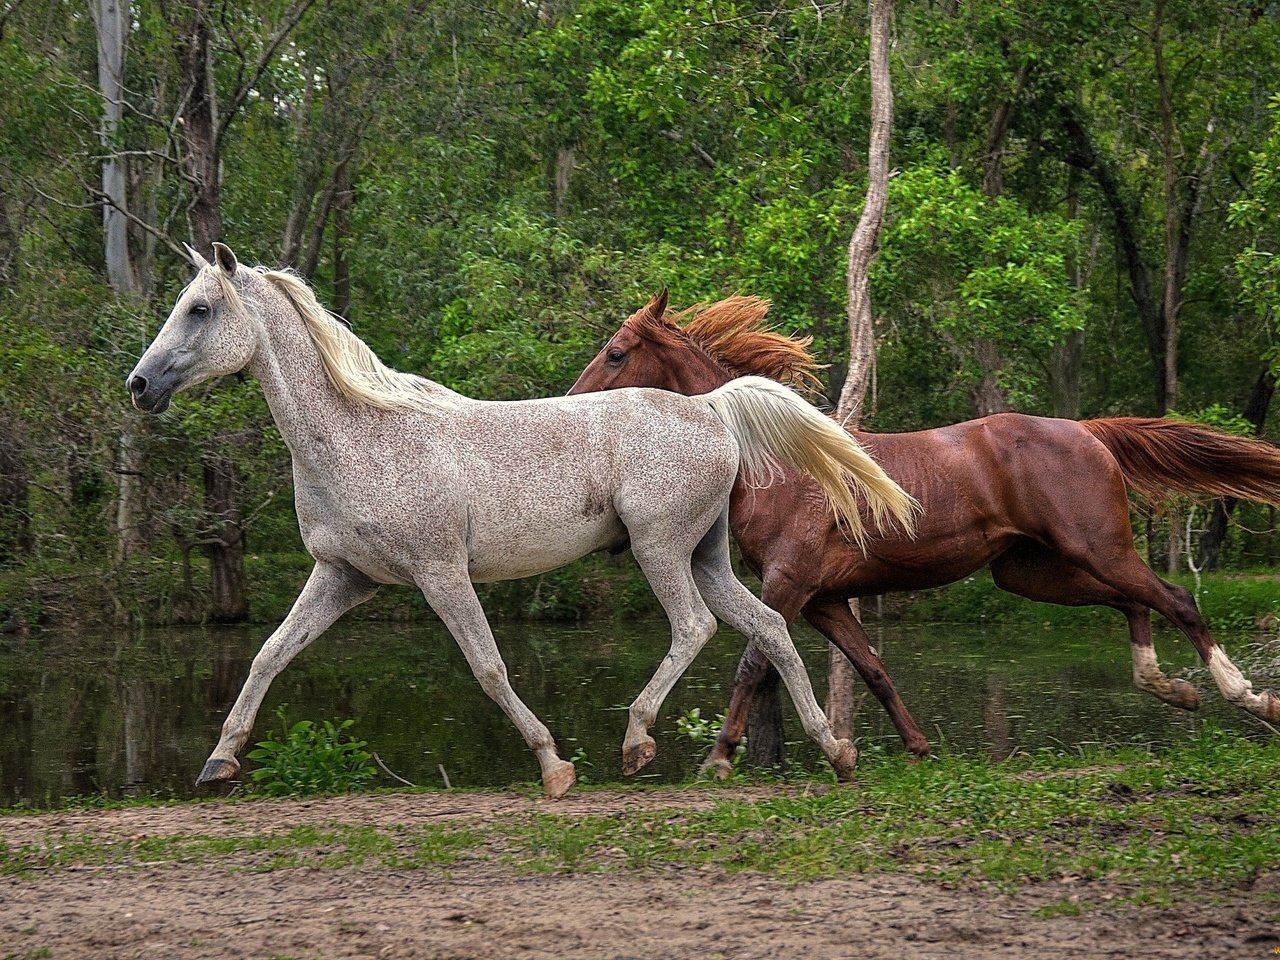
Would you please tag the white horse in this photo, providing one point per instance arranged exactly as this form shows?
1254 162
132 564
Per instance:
400 480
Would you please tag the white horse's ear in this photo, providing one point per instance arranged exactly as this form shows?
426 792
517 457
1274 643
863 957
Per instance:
226 260
197 261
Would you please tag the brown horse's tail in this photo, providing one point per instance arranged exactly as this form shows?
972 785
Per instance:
1158 456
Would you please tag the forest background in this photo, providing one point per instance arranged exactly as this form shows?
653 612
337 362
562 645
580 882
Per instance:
1082 221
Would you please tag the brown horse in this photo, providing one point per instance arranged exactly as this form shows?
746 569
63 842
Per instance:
1041 501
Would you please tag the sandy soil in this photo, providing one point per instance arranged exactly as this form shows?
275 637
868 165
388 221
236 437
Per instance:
480 908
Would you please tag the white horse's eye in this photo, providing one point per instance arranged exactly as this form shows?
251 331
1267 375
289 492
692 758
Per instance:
200 309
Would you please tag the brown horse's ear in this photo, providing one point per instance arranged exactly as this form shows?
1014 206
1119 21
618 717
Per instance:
657 306
225 258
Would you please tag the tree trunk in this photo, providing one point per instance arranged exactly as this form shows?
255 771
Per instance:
766 745
863 243
561 175
9 258
997 134
1066 359
764 742
342 200
225 540
1211 541
15 515
201 148
201 162
1172 281
1080 152
111 17
111 20
988 396
862 345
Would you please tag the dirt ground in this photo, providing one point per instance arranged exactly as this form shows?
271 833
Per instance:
480 908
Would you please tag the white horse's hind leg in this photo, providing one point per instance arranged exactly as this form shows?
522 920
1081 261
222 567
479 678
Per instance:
455 600
331 591
692 625
745 612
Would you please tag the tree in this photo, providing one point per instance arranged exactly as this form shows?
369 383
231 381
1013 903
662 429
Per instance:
862 350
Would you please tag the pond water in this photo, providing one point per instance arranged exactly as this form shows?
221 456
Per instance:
95 713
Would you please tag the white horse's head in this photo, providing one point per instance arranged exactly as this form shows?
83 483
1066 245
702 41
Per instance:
208 334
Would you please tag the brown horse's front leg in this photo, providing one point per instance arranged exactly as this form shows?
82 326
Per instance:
753 671
836 622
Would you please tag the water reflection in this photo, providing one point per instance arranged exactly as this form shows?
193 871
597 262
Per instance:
94 713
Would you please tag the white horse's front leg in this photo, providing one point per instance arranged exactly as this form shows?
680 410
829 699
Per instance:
746 613
454 598
331 591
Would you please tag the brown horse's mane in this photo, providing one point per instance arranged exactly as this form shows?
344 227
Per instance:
733 333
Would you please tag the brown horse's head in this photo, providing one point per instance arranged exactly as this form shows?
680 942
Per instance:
698 349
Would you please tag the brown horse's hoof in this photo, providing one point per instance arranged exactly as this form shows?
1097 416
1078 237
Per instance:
845 761
1182 695
637 755
557 783
920 750
718 768
217 770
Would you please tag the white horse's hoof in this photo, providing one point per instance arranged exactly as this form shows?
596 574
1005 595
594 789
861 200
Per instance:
845 761
216 770
636 756
558 780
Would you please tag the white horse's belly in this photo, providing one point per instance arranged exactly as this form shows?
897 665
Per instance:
515 551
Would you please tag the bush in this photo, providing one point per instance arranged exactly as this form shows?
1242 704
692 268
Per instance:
309 759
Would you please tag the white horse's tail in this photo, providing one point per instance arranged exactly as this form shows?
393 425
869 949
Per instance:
771 423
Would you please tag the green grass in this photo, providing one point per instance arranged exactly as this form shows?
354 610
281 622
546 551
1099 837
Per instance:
1144 826
1196 814
330 846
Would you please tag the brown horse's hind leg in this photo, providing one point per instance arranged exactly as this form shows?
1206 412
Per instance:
1034 571
1114 561
755 673
837 623
742 610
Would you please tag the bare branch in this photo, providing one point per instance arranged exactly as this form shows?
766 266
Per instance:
297 10
675 137
99 199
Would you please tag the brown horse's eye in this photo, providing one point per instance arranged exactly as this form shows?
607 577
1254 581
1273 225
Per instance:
614 356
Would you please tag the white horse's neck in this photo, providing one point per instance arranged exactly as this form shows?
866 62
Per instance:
313 417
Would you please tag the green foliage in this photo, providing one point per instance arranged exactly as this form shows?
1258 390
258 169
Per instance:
1258 265
1220 418
1147 824
968 268
308 758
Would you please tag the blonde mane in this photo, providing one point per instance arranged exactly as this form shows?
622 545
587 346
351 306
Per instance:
354 370
734 334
